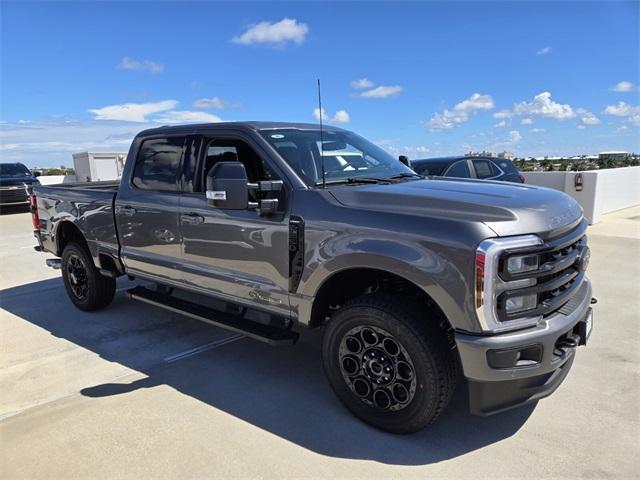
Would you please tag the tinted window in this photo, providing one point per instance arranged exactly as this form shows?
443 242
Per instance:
485 169
428 168
458 169
507 166
14 170
158 164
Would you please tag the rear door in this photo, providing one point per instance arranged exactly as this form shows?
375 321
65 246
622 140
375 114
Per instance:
148 209
236 255
486 170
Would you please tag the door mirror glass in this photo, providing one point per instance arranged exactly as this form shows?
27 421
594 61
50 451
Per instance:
227 186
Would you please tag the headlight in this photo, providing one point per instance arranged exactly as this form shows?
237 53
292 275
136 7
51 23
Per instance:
522 264
521 304
489 285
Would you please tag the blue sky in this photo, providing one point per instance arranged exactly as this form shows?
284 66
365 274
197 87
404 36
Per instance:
419 78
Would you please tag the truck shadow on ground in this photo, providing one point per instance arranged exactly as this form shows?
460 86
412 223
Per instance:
281 390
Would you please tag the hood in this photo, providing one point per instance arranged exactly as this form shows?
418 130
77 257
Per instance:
507 208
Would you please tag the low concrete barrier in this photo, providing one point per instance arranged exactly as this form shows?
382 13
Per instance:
54 179
603 191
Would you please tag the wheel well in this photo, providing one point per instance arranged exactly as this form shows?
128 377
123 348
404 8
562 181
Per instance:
352 283
67 232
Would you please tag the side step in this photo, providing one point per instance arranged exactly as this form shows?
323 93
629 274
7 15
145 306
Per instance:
258 331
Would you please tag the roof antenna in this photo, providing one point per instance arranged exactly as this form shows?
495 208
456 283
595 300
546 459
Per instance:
320 112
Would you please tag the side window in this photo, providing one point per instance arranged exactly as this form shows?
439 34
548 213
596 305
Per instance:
233 150
485 169
158 164
458 169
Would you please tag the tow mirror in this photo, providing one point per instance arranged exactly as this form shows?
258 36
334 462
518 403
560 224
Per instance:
227 186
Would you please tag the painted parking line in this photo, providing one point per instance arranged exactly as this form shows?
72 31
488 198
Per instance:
203 348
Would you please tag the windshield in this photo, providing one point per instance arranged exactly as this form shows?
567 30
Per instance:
14 170
347 156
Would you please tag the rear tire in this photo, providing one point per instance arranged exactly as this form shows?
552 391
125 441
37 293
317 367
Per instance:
86 287
389 363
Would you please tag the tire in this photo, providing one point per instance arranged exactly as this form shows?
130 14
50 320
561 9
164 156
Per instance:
86 287
427 384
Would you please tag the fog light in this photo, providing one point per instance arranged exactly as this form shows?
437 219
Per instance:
522 264
521 304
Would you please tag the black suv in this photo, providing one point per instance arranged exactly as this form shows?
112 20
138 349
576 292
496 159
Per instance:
14 180
483 168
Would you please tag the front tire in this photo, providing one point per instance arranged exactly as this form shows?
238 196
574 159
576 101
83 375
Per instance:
389 363
86 287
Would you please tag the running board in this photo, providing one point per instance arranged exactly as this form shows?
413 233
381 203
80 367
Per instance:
265 333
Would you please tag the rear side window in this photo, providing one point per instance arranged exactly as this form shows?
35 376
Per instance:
485 169
507 166
458 169
158 164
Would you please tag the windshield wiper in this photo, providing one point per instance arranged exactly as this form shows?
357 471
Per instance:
353 180
404 175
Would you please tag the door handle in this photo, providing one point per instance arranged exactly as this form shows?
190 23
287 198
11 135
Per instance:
127 211
192 218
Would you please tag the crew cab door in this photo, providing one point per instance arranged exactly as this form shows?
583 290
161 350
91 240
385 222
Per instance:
235 255
148 209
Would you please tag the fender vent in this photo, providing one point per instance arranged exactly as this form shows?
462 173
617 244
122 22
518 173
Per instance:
296 252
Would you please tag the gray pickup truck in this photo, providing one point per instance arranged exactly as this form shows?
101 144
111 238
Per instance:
414 280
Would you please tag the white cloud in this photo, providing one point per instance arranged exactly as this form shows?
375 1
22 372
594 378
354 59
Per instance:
527 121
460 113
341 116
175 117
410 151
52 142
502 114
581 127
362 83
623 86
278 33
382 91
543 51
501 124
514 136
537 130
132 112
543 105
587 118
213 103
128 63
621 109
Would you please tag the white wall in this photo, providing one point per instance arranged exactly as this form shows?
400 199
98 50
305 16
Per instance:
603 191
54 179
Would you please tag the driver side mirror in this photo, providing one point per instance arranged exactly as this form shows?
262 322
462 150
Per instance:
227 186
36 174
404 160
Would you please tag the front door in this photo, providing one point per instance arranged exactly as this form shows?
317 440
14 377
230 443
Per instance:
235 255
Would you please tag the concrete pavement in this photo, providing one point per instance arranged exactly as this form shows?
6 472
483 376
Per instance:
137 392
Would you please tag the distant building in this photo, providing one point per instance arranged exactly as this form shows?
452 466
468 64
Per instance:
483 153
96 167
506 155
613 155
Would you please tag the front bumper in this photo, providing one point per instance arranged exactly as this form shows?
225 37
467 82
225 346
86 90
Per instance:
492 390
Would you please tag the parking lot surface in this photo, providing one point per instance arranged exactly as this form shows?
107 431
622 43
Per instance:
137 392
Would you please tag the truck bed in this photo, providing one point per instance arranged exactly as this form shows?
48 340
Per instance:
87 206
